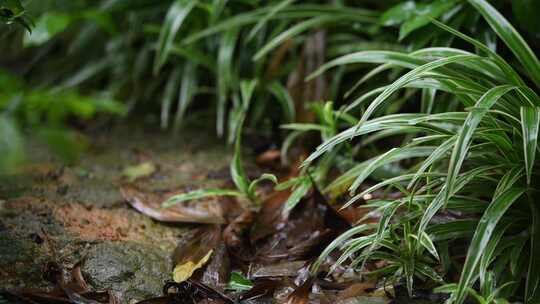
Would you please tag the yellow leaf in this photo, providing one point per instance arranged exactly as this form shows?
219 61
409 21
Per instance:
184 271
141 170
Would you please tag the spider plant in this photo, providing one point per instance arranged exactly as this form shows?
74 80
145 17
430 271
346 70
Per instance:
471 187
196 51
244 187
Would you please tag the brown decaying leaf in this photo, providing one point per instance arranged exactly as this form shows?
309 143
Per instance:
236 237
281 269
74 291
302 235
269 218
200 211
270 158
188 292
301 294
355 290
194 250
261 288
217 272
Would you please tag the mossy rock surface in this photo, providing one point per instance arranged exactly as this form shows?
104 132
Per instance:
81 210
131 270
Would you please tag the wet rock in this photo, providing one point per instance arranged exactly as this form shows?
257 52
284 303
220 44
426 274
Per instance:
80 209
20 261
133 271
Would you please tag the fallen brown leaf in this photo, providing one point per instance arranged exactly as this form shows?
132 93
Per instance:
194 251
200 211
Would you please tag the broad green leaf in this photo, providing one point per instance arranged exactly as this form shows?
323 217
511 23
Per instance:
423 15
530 121
398 13
174 19
482 235
198 194
238 282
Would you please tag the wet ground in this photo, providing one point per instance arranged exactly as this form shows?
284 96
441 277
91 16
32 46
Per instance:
79 210
77 216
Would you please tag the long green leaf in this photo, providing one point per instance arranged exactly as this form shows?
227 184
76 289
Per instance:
198 194
467 131
168 96
530 121
481 238
176 15
414 74
188 86
532 287
291 32
224 77
511 37
275 9
336 243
